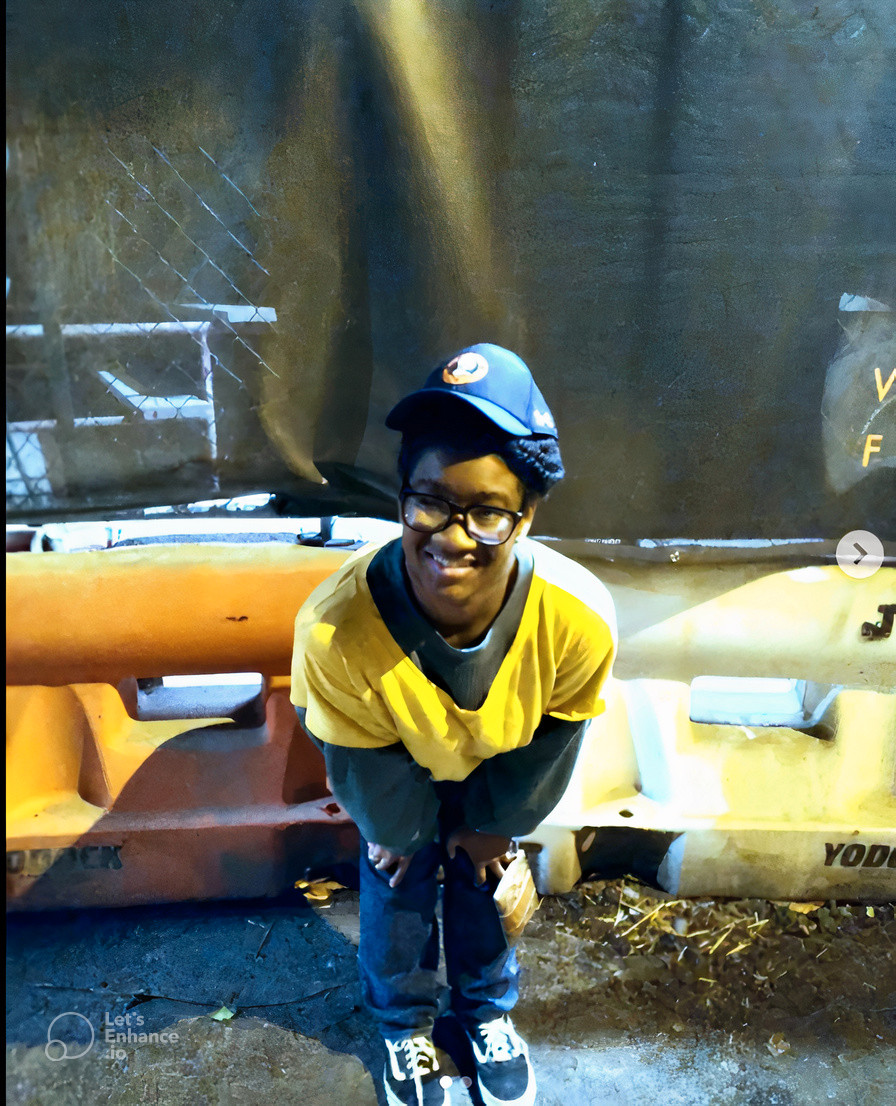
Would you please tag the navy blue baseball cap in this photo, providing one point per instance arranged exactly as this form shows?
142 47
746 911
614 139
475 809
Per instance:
491 379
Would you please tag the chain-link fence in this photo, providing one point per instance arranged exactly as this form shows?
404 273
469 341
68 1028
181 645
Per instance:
124 323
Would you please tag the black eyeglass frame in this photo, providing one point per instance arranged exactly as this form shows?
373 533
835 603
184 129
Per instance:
457 511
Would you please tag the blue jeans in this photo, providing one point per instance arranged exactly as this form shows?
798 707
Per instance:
398 955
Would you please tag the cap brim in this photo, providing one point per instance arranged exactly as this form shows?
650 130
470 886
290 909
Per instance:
403 413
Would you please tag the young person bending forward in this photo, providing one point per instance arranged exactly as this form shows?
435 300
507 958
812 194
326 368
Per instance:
448 677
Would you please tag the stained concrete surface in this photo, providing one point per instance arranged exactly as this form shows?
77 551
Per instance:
617 1005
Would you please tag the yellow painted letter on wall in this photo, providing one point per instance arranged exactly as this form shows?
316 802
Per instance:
869 448
882 388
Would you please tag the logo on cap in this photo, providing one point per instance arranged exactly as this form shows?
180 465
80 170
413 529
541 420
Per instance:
466 368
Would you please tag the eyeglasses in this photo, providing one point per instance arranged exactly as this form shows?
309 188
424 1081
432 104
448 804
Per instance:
428 514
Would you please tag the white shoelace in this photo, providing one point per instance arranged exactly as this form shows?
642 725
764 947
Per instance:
420 1054
501 1042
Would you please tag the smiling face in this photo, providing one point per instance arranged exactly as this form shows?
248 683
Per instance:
459 583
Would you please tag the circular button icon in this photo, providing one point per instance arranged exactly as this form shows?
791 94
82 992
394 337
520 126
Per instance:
860 554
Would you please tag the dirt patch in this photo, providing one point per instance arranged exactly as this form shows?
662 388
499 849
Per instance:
775 972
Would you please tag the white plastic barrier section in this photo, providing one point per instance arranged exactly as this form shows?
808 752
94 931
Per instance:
773 813
760 809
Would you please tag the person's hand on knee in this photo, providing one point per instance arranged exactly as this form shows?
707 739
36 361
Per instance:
488 851
385 860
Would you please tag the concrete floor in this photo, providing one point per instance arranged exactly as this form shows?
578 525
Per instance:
607 1022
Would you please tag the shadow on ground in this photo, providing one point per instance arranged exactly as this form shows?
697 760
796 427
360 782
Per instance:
144 970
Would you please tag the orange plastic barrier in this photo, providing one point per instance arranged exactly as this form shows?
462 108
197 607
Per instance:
103 616
100 801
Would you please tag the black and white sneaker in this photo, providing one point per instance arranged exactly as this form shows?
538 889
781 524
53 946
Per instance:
502 1064
412 1073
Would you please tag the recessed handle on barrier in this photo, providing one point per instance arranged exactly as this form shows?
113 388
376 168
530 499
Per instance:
235 695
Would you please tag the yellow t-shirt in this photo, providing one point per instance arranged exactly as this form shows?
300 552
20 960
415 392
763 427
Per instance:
360 690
